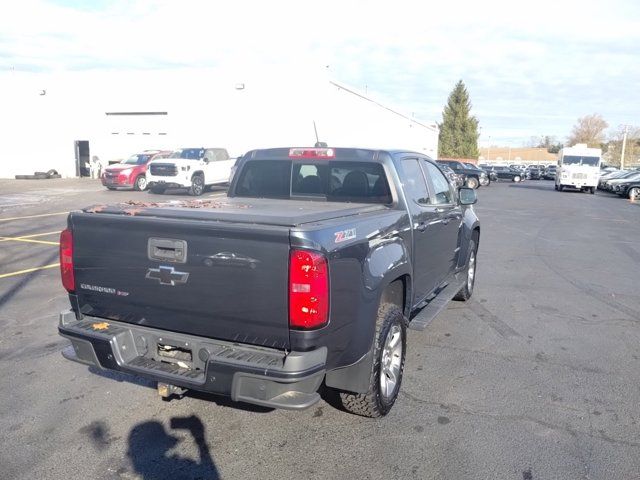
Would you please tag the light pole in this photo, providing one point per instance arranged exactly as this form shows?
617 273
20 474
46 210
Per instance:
624 144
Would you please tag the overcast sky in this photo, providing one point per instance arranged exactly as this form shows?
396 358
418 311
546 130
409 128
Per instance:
531 68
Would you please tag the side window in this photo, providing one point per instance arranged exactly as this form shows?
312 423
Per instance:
414 183
441 188
216 155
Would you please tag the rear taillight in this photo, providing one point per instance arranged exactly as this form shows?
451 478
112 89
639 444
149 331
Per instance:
66 260
308 290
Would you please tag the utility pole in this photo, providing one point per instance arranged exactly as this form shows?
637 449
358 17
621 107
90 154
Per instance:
624 144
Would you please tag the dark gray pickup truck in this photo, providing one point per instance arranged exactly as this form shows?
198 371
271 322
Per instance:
310 271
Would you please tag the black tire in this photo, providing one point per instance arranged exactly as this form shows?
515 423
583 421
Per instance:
467 290
375 403
485 181
517 178
472 182
140 184
197 186
157 190
556 187
592 190
560 188
634 194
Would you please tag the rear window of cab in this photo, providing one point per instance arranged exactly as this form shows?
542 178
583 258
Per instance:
334 181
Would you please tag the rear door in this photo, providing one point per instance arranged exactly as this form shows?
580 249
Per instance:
218 279
426 227
219 166
444 199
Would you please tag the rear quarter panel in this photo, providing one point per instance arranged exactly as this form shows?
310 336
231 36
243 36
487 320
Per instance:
365 253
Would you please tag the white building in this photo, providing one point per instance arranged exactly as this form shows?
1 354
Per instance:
49 120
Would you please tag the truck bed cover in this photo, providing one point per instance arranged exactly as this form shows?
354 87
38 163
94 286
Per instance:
286 213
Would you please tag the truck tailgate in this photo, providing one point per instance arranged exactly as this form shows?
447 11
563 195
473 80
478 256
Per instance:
232 284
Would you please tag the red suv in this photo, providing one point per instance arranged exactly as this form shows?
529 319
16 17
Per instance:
131 172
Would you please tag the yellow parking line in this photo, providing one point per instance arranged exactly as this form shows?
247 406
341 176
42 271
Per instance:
8 239
33 216
19 239
39 234
5 275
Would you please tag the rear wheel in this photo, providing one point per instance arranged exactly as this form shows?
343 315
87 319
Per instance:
467 290
388 366
484 181
634 194
197 186
592 190
141 183
517 178
472 182
560 187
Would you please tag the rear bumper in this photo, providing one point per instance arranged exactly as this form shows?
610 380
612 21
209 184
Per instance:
246 373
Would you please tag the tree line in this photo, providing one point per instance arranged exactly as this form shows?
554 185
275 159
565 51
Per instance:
459 134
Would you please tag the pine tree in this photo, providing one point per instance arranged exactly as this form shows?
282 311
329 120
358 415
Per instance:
458 130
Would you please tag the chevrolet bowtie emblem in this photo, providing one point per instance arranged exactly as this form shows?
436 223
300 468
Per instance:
167 276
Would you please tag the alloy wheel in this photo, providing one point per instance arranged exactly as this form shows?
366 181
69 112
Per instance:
391 362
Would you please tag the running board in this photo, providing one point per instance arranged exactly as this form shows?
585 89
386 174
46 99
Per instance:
424 317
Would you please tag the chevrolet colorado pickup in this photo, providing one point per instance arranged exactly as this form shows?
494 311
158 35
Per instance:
309 272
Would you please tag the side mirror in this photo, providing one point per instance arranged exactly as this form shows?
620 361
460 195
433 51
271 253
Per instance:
467 196
205 160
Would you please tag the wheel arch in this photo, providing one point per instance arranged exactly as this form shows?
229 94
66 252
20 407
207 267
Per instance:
395 290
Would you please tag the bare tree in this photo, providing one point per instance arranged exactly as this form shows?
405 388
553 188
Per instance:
632 148
590 130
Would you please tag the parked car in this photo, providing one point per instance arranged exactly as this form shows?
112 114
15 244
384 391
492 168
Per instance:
508 173
610 182
610 176
488 169
629 189
550 172
455 179
473 177
131 173
615 184
484 179
192 168
309 273
534 173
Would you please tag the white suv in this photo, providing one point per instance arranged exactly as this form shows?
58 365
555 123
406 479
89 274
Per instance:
192 168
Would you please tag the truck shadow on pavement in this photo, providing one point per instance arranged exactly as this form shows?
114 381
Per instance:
152 456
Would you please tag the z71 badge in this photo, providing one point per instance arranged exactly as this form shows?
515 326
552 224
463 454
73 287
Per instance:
345 235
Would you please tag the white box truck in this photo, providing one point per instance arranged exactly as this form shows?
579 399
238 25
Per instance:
578 167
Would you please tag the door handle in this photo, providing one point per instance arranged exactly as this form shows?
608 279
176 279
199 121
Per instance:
422 226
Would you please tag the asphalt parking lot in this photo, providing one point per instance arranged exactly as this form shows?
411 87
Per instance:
537 377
